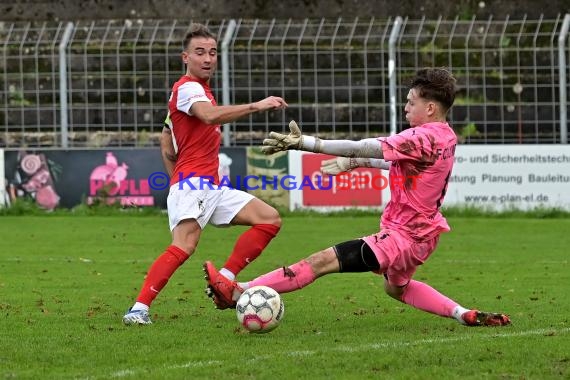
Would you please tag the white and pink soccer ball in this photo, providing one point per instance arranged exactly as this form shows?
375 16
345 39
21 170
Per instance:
260 309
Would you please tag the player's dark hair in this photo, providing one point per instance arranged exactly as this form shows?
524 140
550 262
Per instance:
197 30
435 84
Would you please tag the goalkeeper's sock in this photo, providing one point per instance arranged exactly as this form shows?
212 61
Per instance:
160 272
249 246
286 279
458 312
426 298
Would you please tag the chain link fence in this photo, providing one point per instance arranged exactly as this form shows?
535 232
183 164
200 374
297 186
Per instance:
106 83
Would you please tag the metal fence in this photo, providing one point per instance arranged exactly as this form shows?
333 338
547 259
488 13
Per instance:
106 83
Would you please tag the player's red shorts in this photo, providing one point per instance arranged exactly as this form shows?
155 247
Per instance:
398 255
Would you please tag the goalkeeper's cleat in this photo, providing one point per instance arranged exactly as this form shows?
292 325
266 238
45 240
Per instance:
136 317
481 318
220 288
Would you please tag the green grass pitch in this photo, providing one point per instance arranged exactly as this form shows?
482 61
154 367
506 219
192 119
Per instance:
66 281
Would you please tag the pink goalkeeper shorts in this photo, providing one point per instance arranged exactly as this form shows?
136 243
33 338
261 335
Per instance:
399 256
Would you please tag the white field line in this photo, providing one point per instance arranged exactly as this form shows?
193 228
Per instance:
352 349
151 259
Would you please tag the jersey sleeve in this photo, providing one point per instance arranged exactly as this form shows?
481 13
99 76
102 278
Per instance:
411 144
188 94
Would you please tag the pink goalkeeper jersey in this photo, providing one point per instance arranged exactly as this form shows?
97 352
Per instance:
421 162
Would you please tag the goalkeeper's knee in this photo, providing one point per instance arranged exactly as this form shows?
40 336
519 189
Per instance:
356 256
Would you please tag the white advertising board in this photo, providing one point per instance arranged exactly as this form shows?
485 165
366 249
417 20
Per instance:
495 177
499 177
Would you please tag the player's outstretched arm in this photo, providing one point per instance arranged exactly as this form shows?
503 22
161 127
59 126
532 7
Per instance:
339 165
214 115
277 142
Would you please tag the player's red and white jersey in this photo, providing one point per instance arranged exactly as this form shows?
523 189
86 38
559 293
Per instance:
197 144
422 159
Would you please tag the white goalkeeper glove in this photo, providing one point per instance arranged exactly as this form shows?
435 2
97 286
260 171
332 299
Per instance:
278 142
338 165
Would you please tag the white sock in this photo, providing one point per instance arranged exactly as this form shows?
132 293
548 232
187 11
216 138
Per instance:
227 274
458 312
139 306
236 295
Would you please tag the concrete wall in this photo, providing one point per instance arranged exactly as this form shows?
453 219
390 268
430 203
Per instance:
200 10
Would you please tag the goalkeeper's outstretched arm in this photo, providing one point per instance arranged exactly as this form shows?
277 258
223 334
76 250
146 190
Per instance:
379 163
366 148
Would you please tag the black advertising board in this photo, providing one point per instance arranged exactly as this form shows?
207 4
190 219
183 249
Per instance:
66 178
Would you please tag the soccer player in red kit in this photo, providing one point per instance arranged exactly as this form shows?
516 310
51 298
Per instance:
411 223
190 150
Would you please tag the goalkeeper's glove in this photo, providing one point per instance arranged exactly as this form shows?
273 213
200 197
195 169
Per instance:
338 165
278 142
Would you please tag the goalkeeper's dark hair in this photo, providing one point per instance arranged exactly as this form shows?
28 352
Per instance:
197 30
435 84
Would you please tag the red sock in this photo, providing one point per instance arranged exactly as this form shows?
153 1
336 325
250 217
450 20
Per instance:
249 246
160 272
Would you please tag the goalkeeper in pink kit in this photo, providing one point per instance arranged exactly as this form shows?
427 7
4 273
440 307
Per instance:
411 222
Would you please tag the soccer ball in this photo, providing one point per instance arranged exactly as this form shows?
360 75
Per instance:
260 309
